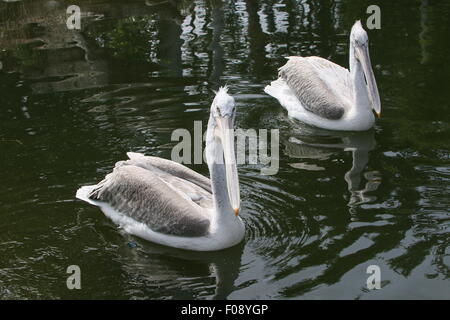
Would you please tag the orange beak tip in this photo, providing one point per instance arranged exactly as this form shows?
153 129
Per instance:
236 211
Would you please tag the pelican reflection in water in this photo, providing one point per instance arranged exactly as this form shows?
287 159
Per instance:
167 203
317 145
168 266
326 95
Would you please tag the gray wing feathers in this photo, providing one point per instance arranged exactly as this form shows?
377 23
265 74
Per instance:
169 167
146 197
303 76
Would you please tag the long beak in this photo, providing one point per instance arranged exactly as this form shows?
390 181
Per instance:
226 134
364 58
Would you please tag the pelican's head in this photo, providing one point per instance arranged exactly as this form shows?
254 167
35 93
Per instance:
221 131
358 35
223 104
359 43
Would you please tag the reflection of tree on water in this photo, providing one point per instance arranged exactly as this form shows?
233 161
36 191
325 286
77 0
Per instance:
217 25
257 39
184 38
55 58
319 145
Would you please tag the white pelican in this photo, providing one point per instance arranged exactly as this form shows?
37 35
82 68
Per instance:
165 202
326 95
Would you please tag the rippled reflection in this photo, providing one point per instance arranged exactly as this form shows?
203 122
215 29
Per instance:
316 144
166 270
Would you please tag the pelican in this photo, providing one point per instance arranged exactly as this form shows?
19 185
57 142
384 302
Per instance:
326 95
165 202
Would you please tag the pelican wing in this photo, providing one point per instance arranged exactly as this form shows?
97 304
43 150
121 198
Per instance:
169 167
321 86
166 196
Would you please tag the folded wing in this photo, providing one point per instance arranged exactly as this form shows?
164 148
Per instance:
166 196
322 87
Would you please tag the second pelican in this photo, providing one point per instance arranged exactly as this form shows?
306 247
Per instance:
326 95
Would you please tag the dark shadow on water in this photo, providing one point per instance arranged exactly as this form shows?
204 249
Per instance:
309 143
223 266
72 103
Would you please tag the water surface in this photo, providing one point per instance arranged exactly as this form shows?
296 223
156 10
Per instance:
72 103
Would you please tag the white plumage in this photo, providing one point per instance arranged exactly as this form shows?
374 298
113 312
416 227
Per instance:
324 94
165 202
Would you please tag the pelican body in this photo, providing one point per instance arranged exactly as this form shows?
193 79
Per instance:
165 202
326 95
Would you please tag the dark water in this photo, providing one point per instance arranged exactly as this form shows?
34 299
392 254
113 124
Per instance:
73 102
